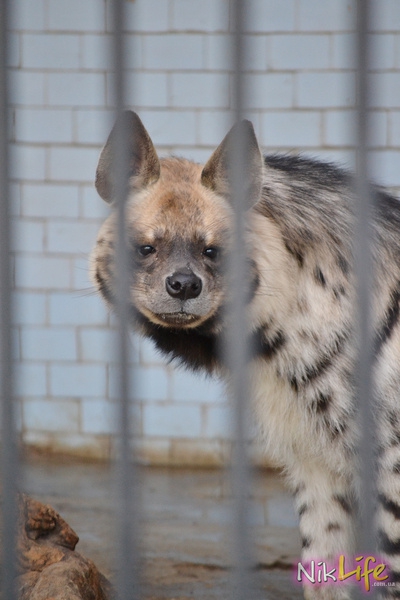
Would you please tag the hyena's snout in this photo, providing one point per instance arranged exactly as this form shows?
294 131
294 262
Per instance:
183 284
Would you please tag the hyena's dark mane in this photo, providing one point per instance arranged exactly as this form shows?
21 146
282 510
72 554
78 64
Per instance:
197 348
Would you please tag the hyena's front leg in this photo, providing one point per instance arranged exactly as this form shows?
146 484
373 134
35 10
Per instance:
326 504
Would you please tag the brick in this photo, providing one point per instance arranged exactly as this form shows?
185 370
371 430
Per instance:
340 128
207 15
15 344
394 128
147 383
97 344
30 379
42 343
43 125
77 380
50 415
148 353
174 421
29 308
97 52
36 271
173 52
344 51
152 15
92 206
385 167
76 89
72 309
27 162
268 15
218 55
28 14
385 90
382 51
344 157
98 416
385 15
49 51
280 512
290 52
71 236
81 276
142 89
27 88
326 90
46 200
73 164
93 125
133 48
290 129
213 126
207 89
219 52
75 15
315 15
218 422
271 90
27 236
188 387
199 155
15 199
14 54
169 127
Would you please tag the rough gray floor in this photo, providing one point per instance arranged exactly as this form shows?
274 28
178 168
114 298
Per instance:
185 516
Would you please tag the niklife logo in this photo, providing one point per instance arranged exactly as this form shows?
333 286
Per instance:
366 570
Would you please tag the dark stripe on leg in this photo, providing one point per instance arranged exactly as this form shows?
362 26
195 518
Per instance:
390 321
390 506
344 503
388 546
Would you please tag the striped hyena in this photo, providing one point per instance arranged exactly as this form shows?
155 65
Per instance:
301 304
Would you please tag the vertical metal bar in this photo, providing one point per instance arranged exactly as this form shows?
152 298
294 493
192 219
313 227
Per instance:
8 433
126 479
237 350
364 271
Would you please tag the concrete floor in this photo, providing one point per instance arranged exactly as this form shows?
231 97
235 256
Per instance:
185 527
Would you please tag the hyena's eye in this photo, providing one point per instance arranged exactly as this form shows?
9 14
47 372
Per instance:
145 250
211 252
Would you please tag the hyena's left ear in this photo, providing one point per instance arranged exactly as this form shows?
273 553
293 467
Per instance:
217 174
144 166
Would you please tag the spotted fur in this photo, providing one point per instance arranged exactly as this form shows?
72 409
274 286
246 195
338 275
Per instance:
301 312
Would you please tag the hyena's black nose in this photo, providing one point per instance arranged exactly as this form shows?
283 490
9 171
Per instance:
183 285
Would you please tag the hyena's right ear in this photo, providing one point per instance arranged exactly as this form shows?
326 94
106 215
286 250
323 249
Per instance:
218 172
144 166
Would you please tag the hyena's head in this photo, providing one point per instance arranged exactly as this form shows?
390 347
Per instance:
179 222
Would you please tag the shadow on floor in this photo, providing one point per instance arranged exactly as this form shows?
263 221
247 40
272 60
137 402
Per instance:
185 526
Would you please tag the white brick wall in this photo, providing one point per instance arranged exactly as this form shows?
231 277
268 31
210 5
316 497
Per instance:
301 94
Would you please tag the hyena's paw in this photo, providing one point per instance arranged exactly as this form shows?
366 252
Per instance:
328 592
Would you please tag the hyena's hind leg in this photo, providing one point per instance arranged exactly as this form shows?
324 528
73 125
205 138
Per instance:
326 504
388 512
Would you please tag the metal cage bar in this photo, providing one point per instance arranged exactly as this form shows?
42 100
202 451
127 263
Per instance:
9 460
128 586
364 271
237 348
